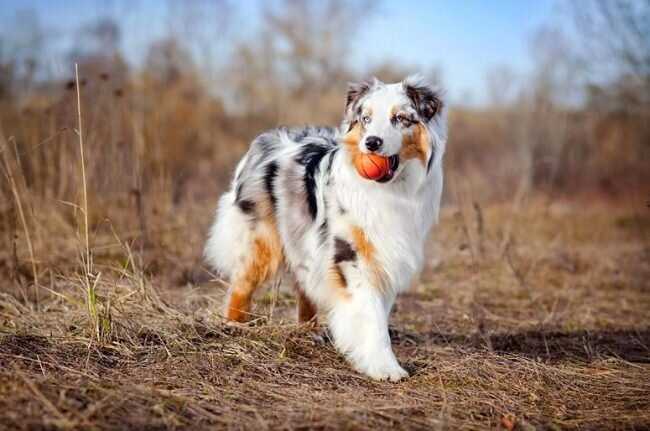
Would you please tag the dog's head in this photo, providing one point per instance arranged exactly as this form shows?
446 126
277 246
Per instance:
405 121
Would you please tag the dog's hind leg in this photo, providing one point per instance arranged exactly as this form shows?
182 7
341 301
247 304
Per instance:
260 266
306 308
243 246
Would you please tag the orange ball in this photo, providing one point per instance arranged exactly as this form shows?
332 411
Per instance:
372 166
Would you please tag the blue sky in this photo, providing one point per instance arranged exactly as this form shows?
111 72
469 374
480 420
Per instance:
465 39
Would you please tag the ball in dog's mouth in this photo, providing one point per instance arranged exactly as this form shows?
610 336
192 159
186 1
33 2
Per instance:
394 164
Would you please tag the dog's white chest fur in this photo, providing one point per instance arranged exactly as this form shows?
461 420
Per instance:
396 220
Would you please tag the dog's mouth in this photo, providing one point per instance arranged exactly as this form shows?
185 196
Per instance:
394 164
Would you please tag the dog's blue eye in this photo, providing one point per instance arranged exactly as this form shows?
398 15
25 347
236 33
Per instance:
365 119
406 121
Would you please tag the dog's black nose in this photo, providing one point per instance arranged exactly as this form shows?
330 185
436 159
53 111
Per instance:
373 143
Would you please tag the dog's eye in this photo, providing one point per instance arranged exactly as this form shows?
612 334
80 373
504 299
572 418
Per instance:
366 119
404 120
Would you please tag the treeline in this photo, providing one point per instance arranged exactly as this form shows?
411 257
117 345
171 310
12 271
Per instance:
170 126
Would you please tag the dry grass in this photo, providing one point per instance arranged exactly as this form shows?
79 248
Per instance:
526 317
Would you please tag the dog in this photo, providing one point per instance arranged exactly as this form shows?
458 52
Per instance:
298 205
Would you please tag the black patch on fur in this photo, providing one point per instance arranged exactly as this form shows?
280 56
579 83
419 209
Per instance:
426 102
238 190
246 206
323 229
269 177
330 162
310 158
430 161
343 251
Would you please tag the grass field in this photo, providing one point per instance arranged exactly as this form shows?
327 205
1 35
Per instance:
528 316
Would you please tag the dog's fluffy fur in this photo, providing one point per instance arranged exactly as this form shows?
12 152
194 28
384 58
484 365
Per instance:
298 205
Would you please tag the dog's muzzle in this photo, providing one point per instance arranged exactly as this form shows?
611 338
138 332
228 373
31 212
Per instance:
394 164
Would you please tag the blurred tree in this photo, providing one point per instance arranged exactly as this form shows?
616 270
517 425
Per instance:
536 120
205 28
21 48
615 36
501 83
97 51
314 38
554 78
167 61
301 52
6 72
103 35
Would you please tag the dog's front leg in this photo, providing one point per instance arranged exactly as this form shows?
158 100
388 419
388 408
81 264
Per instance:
359 324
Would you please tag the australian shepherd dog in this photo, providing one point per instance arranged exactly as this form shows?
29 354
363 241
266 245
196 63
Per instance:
298 206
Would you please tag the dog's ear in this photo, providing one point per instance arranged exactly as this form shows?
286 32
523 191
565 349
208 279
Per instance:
355 92
426 100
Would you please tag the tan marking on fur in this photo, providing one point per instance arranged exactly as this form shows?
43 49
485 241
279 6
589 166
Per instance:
362 245
351 142
306 308
393 111
415 144
338 282
265 259
238 306
366 250
337 277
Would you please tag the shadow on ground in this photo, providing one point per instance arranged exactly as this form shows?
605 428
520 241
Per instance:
553 346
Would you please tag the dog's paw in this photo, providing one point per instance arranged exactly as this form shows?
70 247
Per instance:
318 337
390 372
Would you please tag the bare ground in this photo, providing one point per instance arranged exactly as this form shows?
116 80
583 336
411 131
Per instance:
526 318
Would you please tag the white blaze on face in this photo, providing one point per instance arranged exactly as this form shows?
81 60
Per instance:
379 108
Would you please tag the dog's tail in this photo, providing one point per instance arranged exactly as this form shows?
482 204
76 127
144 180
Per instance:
228 237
